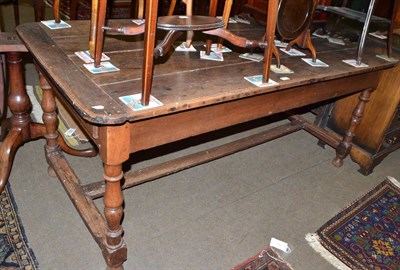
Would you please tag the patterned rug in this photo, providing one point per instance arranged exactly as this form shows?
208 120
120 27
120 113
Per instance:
14 250
267 259
366 234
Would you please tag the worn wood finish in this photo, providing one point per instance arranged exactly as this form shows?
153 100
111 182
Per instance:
84 205
300 34
193 92
56 10
163 47
188 23
246 109
171 7
371 144
2 91
38 6
9 42
304 41
344 147
100 22
329 138
95 190
140 9
148 53
19 104
225 18
19 125
395 12
294 17
110 238
108 87
270 37
212 12
113 155
174 24
236 40
49 117
93 28
189 12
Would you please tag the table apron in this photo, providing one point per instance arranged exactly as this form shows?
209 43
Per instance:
153 132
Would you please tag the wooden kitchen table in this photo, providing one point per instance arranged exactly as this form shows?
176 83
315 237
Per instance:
198 96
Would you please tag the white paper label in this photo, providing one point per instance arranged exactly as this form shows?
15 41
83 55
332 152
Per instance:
280 245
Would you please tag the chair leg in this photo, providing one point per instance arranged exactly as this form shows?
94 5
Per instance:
149 44
391 28
38 6
171 7
269 37
16 12
212 13
189 12
137 9
56 11
73 10
93 28
225 19
99 36
2 86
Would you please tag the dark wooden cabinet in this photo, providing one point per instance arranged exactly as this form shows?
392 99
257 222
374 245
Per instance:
379 131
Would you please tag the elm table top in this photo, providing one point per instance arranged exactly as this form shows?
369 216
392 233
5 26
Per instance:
181 81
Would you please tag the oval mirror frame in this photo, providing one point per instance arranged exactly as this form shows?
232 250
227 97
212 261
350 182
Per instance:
294 17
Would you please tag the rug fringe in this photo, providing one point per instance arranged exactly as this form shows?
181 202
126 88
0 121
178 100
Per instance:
314 241
394 181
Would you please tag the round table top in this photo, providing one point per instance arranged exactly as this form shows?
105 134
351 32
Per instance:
188 23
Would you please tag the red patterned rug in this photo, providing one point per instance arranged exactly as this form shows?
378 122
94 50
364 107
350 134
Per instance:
85 6
366 234
267 259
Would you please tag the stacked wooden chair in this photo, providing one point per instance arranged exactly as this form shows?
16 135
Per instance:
277 23
175 25
212 12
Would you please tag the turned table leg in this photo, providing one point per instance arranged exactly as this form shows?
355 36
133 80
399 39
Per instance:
50 119
49 116
343 150
114 151
19 105
113 212
22 129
